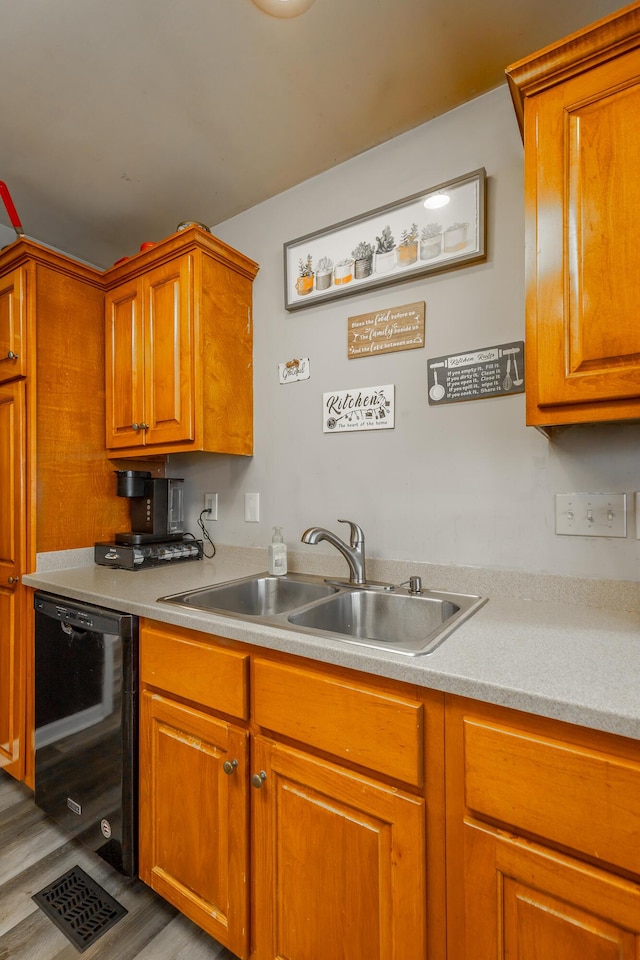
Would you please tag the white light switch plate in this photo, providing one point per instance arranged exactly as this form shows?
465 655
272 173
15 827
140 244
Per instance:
252 507
591 514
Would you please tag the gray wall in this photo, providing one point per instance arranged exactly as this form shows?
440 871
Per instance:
465 483
7 235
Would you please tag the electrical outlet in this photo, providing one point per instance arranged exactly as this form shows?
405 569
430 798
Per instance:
211 506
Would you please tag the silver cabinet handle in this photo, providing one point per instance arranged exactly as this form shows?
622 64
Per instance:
13 580
258 779
144 426
12 356
135 426
229 766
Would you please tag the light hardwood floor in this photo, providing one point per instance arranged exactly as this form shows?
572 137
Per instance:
34 852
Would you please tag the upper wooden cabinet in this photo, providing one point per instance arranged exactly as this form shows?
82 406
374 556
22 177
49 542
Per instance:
13 324
51 316
179 345
577 101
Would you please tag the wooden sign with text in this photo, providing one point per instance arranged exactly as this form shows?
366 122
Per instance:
385 331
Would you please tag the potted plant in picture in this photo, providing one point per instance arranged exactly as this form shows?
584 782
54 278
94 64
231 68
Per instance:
385 247
363 257
304 283
455 237
431 241
343 271
407 249
324 269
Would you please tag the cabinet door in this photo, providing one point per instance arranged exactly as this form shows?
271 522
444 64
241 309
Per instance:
193 816
125 367
13 325
583 233
12 547
524 902
338 862
169 354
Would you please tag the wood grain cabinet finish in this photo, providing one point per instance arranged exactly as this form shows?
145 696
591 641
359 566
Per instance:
188 664
339 862
324 834
12 548
179 341
51 444
314 835
577 101
365 726
194 775
194 835
543 838
13 325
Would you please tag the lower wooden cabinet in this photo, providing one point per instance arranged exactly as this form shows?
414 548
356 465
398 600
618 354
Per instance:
296 810
338 862
12 683
259 826
542 838
193 815
524 901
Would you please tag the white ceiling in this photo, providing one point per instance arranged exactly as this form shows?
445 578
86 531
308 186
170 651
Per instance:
121 118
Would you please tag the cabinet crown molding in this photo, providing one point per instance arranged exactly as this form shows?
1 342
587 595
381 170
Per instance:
600 41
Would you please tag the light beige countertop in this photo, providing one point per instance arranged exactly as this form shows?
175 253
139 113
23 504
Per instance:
560 647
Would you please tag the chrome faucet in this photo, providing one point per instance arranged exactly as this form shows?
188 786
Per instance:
354 554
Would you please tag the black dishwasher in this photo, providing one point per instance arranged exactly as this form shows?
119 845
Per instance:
86 685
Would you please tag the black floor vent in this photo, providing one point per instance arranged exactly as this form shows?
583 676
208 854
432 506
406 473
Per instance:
79 907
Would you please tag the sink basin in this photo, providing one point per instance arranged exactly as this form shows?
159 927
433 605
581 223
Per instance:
399 622
261 596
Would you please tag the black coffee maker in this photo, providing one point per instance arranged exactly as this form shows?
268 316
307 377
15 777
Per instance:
157 507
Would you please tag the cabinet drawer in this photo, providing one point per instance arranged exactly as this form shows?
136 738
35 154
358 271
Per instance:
583 799
189 665
365 726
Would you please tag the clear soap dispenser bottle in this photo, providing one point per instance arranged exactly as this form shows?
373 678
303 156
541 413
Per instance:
277 553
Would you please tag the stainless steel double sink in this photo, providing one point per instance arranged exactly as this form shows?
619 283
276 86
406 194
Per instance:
394 620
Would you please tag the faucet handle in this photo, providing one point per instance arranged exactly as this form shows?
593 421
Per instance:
357 536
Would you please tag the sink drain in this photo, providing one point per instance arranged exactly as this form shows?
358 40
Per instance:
79 907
